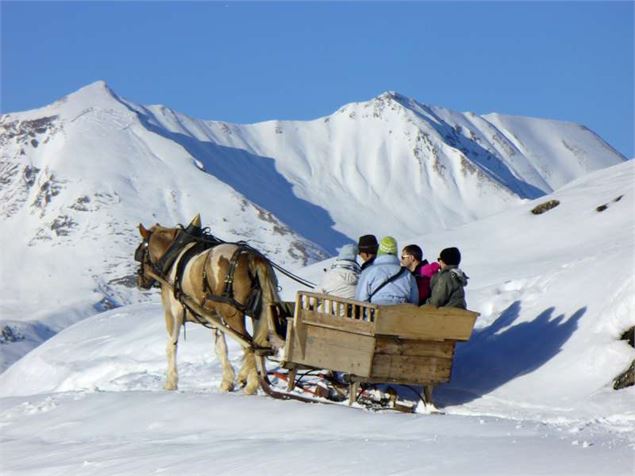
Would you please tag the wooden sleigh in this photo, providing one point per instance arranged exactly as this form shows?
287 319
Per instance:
371 344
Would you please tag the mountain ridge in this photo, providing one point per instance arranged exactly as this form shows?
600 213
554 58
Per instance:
78 175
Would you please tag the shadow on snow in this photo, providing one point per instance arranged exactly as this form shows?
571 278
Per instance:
503 351
256 178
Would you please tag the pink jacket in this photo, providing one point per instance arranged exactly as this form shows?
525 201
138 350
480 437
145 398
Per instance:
423 276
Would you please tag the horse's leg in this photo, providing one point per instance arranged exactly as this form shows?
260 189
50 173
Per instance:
250 372
173 322
267 281
260 339
227 384
247 365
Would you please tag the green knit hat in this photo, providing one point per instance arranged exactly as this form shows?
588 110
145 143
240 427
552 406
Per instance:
387 246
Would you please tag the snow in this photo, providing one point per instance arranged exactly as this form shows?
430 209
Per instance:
96 407
531 391
198 433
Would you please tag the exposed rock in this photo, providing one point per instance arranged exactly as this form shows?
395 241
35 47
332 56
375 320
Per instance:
128 281
63 225
25 132
626 378
10 334
544 207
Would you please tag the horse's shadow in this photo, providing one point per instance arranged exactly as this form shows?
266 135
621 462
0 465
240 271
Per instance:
263 186
502 351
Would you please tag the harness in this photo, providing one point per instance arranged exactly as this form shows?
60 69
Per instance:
185 236
190 242
254 303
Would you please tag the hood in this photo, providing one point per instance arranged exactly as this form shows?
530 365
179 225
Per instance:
459 275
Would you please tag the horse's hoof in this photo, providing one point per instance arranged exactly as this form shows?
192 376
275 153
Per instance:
169 387
251 389
242 378
226 387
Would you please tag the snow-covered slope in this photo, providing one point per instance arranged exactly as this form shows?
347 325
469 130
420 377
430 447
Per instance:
76 177
555 292
393 165
531 392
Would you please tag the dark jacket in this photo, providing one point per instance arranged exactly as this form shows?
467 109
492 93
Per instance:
448 288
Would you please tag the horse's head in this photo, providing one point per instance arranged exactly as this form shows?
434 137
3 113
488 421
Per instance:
156 243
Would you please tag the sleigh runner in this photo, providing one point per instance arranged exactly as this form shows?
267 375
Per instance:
395 344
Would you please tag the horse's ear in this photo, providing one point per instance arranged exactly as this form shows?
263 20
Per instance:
196 221
144 233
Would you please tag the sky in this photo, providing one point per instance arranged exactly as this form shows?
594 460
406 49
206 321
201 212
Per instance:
246 62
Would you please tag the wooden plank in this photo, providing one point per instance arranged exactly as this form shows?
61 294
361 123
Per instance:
337 299
396 346
288 342
298 340
418 311
433 380
411 369
425 322
334 350
334 305
335 322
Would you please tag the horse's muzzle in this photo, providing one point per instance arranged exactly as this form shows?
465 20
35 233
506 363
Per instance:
143 282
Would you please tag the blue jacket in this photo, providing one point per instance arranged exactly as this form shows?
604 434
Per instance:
401 290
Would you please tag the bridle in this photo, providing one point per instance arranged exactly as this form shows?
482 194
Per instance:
142 256
183 237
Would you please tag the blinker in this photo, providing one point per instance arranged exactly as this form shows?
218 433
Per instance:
140 251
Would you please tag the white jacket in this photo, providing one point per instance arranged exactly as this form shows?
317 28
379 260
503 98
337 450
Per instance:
341 279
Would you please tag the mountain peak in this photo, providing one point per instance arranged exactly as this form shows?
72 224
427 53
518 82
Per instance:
97 94
391 95
97 87
396 100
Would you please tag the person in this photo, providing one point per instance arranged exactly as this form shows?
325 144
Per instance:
385 281
367 245
447 286
341 279
427 272
412 258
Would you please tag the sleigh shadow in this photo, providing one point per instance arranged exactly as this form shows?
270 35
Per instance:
503 351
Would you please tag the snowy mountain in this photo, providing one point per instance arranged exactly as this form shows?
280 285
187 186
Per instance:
77 176
76 179
392 165
531 392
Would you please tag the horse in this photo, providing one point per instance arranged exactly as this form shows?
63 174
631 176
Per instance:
223 280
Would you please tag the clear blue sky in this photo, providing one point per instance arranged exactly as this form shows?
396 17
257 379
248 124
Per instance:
248 62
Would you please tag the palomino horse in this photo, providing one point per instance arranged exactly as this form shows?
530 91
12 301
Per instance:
221 279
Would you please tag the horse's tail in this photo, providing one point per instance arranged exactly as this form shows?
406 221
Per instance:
261 268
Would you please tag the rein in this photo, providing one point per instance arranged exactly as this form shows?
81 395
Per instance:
292 276
189 242
207 237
